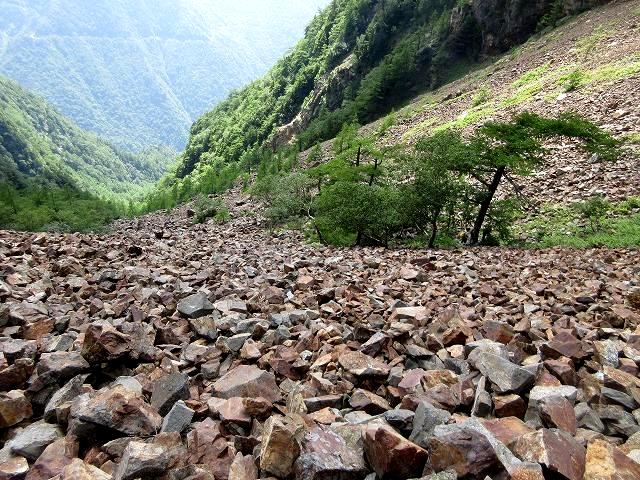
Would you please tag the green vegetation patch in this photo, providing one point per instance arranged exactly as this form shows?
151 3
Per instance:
586 45
592 223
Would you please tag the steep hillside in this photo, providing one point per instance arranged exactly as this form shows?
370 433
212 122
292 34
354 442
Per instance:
139 72
359 60
38 144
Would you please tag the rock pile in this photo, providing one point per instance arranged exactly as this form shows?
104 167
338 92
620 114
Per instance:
221 353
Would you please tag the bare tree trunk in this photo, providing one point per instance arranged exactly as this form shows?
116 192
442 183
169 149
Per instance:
474 235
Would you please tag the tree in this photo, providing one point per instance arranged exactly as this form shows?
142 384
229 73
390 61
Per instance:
499 150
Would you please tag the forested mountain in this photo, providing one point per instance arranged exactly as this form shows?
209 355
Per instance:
358 60
40 146
139 72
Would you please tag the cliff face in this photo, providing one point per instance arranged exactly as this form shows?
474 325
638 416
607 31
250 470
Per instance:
505 23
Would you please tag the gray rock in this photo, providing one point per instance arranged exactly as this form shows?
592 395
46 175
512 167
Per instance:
194 306
142 460
587 418
505 376
62 399
178 418
400 419
205 327
32 441
168 390
427 418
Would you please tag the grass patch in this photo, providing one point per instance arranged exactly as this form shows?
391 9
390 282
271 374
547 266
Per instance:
587 44
523 94
467 118
632 139
531 76
613 72
618 226
481 97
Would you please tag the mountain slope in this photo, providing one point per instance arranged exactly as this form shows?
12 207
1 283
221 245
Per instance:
360 59
138 73
38 144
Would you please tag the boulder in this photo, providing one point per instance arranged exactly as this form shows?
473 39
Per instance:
119 409
14 408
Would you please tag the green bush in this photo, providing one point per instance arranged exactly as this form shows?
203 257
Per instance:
594 211
207 207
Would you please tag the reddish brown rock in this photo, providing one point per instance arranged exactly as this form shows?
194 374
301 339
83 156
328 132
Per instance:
555 449
361 365
14 408
103 343
391 455
54 459
243 468
557 412
248 381
369 402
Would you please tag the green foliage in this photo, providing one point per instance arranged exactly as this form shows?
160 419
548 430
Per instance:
37 142
289 197
61 209
207 207
573 81
594 211
481 97
438 191
398 46
587 44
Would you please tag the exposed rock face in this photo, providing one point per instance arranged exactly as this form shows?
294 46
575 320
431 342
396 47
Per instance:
508 22
391 455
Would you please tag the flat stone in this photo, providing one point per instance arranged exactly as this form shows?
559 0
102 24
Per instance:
361 365
142 460
248 381
505 376
31 442
194 306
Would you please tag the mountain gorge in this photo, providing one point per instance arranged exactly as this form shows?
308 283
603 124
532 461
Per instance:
139 73
38 144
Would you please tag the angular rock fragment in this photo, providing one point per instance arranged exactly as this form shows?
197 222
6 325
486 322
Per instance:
14 408
194 306
555 449
279 449
391 455
168 390
104 343
248 381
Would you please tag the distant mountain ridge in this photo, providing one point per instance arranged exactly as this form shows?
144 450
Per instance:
40 146
138 73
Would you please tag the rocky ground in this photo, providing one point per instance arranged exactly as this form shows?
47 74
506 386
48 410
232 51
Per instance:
171 351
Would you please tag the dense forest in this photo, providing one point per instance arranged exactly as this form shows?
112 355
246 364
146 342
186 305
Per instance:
139 72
